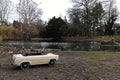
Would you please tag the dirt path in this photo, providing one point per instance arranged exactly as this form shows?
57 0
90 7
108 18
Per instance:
73 65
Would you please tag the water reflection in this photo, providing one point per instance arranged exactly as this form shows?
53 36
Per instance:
85 46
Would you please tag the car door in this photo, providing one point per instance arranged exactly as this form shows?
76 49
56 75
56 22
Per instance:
33 59
43 59
38 59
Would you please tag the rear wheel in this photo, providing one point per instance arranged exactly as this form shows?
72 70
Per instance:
25 65
52 62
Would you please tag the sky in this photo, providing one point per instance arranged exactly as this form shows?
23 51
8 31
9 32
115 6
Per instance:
118 6
52 8
56 8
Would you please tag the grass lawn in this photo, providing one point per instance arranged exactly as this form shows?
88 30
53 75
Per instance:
96 38
73 65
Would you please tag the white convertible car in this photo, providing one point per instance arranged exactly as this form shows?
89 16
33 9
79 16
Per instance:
27 59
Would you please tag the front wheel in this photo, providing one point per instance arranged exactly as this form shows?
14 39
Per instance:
25 65
52 62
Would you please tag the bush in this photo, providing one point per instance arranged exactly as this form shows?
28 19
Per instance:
9 33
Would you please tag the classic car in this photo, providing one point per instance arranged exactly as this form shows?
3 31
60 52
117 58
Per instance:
28 59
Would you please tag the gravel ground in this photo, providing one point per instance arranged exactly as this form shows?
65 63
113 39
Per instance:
73 65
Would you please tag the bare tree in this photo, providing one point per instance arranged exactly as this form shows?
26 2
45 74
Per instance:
110 16
91 14
5 11
28 11
84 9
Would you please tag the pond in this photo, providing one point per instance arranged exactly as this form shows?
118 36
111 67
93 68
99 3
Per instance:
83 46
